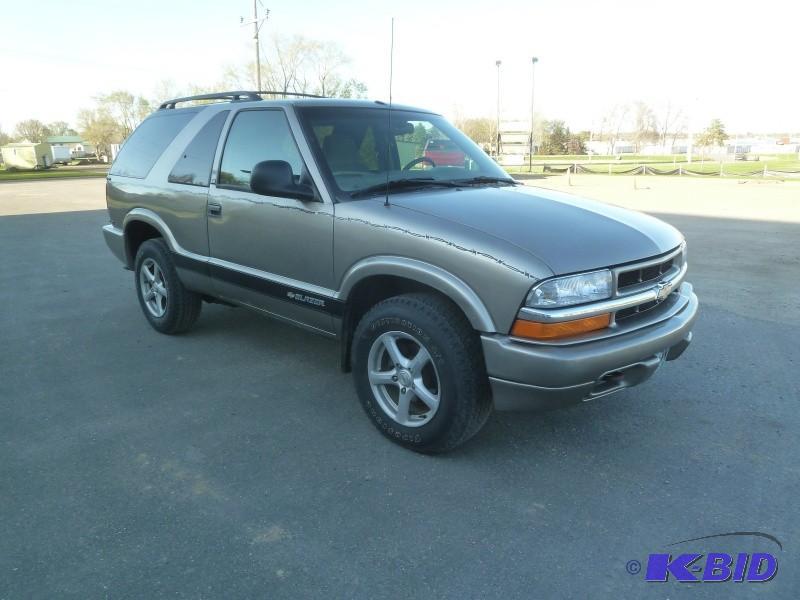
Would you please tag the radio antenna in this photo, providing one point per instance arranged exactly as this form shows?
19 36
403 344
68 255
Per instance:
389 129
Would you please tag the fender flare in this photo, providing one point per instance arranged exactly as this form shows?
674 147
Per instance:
145 215
436 277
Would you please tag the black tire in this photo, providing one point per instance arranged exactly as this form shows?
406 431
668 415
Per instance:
182 306
454 347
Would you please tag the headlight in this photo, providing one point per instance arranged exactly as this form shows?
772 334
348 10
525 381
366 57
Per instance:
573 289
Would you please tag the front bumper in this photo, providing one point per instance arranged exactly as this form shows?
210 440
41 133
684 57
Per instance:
526 376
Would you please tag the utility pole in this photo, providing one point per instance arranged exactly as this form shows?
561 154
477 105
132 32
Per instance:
497 132
534 60
257 23
258 45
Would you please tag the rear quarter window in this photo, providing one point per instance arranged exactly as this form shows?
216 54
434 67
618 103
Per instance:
194 165
144 146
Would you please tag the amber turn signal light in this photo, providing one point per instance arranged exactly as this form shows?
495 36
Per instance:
550 331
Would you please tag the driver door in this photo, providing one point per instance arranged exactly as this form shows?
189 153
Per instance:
270 252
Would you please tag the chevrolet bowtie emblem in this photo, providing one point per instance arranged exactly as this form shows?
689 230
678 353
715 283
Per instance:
663 289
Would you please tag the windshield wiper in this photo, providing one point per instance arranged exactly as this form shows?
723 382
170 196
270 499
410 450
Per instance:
401 184
485 179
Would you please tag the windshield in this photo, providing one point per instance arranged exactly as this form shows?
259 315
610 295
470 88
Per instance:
356 153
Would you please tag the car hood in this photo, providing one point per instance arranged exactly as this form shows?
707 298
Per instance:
567 233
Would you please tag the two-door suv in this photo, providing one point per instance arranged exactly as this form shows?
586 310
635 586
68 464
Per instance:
452 288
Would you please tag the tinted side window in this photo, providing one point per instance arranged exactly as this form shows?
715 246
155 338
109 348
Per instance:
194 165
255 136
141 150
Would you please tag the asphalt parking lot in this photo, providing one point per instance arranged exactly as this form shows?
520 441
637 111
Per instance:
235 462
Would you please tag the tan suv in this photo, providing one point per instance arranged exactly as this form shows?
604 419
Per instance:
451 288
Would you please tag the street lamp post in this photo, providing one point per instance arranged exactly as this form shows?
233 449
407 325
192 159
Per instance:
534 60
497 131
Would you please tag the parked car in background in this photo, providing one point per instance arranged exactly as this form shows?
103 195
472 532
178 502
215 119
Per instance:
444 153
452 289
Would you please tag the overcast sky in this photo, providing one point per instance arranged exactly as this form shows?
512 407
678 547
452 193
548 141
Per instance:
732 60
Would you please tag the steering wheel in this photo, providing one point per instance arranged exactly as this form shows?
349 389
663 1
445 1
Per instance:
417 161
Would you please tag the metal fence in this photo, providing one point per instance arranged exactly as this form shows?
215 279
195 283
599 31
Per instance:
576 168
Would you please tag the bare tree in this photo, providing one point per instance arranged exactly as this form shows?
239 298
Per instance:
99 128
125 108
645 128
199 90
614 121
291 64
480 129
680 127
672 121
60 128
288 60
665 122
31 130
328 59
301 65
235 78
166 89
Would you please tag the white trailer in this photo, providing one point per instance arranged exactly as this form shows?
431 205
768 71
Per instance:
61 154
25 155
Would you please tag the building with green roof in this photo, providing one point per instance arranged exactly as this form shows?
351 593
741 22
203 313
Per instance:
77 147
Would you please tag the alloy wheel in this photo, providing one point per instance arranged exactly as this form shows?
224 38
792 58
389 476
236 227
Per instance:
153 287
403 378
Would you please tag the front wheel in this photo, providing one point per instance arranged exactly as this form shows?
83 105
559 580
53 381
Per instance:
168 306
419 373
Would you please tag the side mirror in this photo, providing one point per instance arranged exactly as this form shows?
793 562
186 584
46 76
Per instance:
275 178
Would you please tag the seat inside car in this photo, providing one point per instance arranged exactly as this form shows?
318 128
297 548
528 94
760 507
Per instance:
341 152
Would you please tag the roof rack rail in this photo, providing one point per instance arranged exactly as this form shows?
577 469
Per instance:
234 96
293 94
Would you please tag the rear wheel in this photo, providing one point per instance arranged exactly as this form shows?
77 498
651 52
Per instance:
167 305
419 373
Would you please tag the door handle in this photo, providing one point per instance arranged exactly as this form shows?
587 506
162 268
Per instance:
214 209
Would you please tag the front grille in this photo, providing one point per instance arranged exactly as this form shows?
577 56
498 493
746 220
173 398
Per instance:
635 310
644 276
650 273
